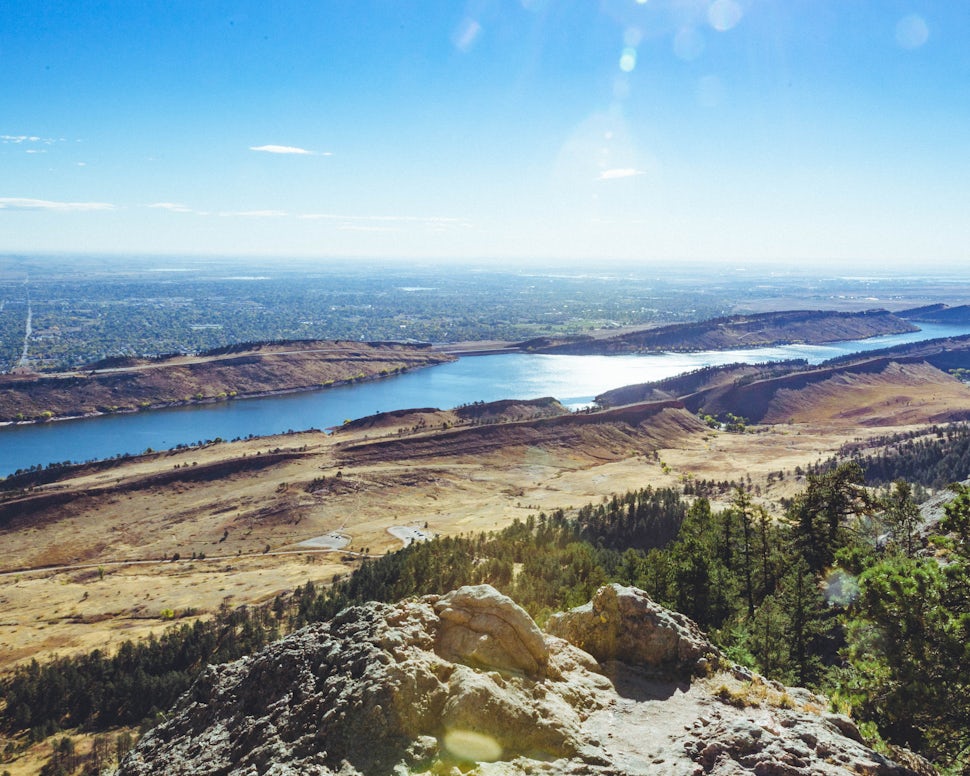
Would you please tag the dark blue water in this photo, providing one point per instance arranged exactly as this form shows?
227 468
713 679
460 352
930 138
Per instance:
574 380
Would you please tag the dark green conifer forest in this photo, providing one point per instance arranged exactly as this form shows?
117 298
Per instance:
843 595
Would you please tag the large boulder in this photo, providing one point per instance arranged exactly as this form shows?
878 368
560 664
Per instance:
481 627
467 684
439 680
625 624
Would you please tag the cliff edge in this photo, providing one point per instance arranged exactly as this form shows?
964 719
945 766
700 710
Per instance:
468 683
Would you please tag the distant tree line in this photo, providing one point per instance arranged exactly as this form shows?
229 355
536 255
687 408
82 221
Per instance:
98 691
932 459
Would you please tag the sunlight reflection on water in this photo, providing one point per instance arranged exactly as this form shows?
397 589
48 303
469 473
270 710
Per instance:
574 380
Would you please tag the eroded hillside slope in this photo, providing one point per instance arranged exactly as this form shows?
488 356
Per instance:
736 331
899 386
139 384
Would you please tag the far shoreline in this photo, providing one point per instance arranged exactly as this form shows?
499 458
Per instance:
210 400
591 343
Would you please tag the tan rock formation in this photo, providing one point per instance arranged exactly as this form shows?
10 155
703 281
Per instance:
480 626
467 684
623 623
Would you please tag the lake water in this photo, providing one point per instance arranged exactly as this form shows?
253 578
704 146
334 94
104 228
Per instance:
574 380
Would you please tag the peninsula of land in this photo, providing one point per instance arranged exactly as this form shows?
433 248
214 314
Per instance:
138 384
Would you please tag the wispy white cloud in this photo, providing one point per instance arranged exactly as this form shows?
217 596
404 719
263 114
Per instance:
175 207
282 149
29 140
341 221
438 220
618 172
253 214
21 203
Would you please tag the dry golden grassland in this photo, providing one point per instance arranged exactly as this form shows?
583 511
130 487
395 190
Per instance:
112 535
142 384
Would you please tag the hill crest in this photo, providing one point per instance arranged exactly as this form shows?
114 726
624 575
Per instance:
737 331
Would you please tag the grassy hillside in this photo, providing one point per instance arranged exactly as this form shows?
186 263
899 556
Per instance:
736 331
139 384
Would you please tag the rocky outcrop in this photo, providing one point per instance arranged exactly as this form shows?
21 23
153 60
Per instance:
467 683
623 623
794 744
483 628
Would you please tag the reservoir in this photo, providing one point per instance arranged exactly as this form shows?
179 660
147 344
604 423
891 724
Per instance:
574 380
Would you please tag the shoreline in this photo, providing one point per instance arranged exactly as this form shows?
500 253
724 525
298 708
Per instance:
596 343
457 350
215 400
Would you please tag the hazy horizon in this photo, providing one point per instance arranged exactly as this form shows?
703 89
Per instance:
813 268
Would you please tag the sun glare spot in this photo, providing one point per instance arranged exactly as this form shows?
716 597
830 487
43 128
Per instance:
632 37
688 44
472 746
911 31
722 15
840 588
466 34
628 59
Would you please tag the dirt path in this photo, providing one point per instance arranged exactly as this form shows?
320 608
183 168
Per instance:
640 729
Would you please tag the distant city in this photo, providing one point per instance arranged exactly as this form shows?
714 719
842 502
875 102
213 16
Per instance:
64 312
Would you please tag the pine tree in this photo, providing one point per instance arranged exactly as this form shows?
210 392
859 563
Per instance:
822 512
902 517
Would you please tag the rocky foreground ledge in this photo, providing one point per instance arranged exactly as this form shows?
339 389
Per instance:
467 683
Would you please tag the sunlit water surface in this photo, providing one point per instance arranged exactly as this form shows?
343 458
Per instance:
574 380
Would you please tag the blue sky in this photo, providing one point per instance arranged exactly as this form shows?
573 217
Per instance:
743 130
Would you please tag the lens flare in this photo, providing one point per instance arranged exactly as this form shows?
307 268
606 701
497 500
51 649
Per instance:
472 746
840 587
722 15
628 60
466 34
688 44
912 32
